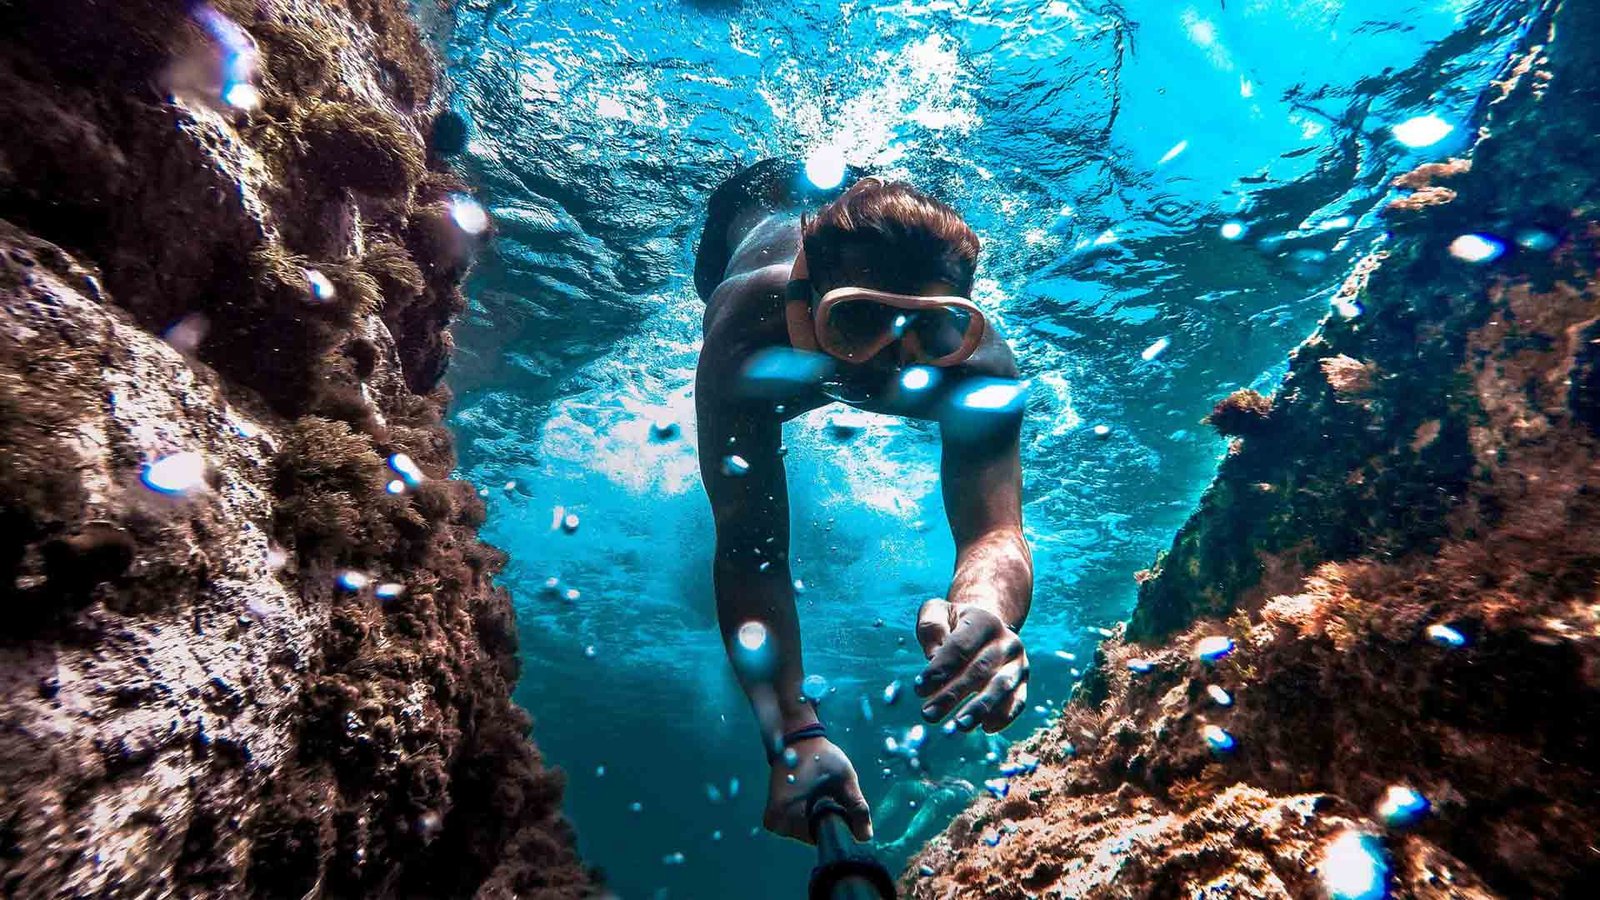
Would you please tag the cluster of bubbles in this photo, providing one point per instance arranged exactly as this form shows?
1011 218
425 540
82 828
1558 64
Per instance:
354 581
552 586
1482 247
410 474
564 519
782 371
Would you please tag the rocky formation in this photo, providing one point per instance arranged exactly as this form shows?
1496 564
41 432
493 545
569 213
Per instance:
249 649
1402 551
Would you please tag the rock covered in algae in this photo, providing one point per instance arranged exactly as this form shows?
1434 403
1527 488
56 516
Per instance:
1403 548
235 663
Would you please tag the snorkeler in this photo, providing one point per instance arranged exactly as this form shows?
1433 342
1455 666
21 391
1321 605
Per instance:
863 296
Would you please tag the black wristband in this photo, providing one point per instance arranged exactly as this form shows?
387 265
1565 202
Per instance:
805 732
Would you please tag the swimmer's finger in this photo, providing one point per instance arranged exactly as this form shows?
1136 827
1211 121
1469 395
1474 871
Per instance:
996 695
972 678
856 810
1006 712
933 625
953 657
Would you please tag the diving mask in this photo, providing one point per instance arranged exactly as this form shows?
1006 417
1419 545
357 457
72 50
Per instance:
855 323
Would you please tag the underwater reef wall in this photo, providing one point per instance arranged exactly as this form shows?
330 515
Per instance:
250 644
1370 662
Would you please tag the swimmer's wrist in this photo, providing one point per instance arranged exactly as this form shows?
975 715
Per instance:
794 737
992 606
797 719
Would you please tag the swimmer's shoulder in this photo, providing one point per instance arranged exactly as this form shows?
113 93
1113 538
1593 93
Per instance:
746 309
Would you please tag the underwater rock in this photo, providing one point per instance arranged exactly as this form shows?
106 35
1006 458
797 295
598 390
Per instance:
1431 459
1241 414
194 700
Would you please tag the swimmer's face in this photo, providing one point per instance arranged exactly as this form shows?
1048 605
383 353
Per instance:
859 271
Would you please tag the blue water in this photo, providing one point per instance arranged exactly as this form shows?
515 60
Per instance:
1100 151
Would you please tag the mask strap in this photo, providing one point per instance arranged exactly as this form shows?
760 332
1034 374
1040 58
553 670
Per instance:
797 305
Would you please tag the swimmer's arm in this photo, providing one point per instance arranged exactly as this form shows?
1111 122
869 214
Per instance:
982 484
752 524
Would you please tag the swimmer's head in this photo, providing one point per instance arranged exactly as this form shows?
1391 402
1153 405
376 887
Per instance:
889 236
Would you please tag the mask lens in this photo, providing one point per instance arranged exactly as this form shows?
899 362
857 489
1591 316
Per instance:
858 324
941 331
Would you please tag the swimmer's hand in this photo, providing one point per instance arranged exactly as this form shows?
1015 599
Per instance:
971 652
821 770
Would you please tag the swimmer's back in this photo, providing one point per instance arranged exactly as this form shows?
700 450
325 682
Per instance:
739 206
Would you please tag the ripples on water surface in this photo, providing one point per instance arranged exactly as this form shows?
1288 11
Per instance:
1168 194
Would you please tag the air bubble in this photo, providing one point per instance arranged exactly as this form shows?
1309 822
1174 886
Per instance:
1477 248
1156 349
1402 807
1353 868
321 288
1213 648
1422 131
469 214
1445 636
752 636
825 167
1218 740
408 470
178 473
814 688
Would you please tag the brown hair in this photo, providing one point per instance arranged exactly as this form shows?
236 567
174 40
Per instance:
893 234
